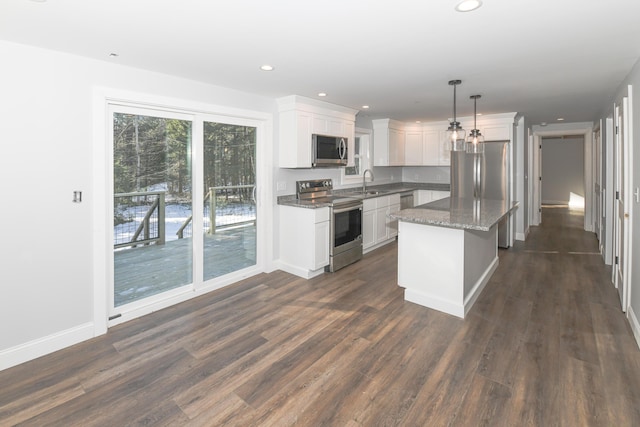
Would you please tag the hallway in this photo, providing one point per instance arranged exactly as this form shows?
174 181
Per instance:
545 345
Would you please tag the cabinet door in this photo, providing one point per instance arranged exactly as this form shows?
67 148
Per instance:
431 148
381 224
392 224
396 147
368 228
321 250
413 147
423 196
437 195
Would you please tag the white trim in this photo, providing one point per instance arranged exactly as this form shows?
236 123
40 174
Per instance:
366 143
433 302
39 347
585 129
635 324
480 284
297 271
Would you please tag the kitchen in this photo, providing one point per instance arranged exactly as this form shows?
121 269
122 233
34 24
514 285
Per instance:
524 57
371 213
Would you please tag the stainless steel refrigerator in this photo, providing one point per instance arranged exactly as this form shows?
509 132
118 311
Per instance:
485 176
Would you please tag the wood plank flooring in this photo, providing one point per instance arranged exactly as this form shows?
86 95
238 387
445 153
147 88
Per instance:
545 345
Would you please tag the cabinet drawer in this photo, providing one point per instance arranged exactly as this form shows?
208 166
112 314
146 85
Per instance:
368 205
321 215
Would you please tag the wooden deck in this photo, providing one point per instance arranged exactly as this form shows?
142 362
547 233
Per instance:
149 270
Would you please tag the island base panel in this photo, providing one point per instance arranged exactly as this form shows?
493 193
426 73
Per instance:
445 268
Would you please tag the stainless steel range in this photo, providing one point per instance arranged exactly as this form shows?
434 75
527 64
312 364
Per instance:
346 221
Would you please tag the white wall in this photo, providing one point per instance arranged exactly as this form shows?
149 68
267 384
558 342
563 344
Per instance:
562 169
46 127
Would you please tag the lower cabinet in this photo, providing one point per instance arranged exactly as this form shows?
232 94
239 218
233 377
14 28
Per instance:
304 240
377 227
425 196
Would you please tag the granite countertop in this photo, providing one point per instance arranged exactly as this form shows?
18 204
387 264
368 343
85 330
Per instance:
462 213
356 193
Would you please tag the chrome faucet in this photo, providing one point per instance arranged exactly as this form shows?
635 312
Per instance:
364 179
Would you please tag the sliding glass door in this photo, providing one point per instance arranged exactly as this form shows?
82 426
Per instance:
163 245
152 198
229 214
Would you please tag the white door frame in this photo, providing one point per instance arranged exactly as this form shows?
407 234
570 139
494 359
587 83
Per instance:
609 191
585 129
102 188
623 207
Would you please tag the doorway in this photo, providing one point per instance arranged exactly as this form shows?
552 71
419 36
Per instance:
185 211
583 130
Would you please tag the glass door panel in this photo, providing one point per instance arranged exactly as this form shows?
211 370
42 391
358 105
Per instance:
152 206
229 212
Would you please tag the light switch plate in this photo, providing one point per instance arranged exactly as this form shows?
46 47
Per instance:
281 186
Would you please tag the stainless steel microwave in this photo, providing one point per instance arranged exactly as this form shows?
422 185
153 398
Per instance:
328 151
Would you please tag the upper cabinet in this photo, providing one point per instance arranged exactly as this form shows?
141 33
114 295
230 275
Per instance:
388 142
402 144
300 117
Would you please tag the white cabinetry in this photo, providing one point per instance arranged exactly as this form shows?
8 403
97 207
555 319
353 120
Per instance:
304 240
388 142
299 118
414 147
377 228
426 196
405 144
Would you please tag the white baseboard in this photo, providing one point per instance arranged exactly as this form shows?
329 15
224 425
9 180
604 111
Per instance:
33 349
479 286
635 325
297 271
434 302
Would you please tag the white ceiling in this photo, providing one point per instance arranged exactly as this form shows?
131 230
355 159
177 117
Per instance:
543 58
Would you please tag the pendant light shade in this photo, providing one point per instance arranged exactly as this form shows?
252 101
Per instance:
475 140
455 134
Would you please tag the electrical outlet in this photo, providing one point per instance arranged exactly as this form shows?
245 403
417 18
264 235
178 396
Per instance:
281 186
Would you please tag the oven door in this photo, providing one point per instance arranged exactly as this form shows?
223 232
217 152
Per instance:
346 227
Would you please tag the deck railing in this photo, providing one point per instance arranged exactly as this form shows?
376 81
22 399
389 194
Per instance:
150 206
224 206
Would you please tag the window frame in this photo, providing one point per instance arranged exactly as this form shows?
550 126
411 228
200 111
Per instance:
366 141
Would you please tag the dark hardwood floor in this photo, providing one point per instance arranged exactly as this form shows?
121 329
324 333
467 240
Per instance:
545 345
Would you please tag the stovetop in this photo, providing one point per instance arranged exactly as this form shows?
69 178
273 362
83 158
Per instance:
319 191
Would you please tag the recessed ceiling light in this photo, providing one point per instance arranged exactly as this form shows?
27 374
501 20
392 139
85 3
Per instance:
543 124
366 107
266 67
113 55
418 121
560 119
323 94
468 5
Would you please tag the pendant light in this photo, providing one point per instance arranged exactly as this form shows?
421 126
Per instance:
455 133
475 139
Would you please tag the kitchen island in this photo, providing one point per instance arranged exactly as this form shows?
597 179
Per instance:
448 250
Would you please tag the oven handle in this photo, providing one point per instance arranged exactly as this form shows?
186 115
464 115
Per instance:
349 206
